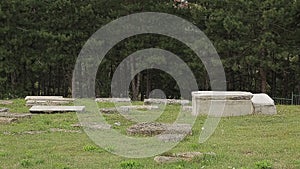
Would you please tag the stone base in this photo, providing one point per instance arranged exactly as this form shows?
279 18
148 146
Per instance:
222 103
264 109
228 107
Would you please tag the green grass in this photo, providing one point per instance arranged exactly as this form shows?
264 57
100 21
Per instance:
239 142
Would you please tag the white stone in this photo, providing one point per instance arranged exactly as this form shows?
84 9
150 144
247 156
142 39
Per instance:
3 109
112 99
263 104
47 100
221 103
42 97
49 109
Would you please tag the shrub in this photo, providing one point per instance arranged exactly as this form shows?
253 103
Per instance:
25 163
263 164
129 164
89 148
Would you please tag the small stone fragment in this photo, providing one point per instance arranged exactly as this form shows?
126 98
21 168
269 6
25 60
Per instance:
170 137
108 110
187 108
3 109
93 125
15 115
4 120
166 159
64 130
189 155
185 156
164 132
6 102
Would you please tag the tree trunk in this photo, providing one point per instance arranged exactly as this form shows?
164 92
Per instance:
148 84
263 76
136 87
135 84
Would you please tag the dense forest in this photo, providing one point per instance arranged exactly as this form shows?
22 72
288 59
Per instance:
258 42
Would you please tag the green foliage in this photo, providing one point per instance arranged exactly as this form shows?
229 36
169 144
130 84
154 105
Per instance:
130 164
110 148
264 164
206 160
25 163
92 148
89 148
40 161
3 154
258 42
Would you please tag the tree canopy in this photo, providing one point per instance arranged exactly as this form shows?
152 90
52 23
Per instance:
258 42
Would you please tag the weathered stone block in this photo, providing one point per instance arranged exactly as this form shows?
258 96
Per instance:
47 100
51 109
221 103
263 104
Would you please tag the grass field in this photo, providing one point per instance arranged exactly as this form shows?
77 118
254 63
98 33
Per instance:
239 142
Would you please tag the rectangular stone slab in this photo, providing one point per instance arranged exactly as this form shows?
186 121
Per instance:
51 99
222 95
46 102
112 99
42 97
51 109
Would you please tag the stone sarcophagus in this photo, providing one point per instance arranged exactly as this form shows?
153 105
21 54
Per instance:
222 103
